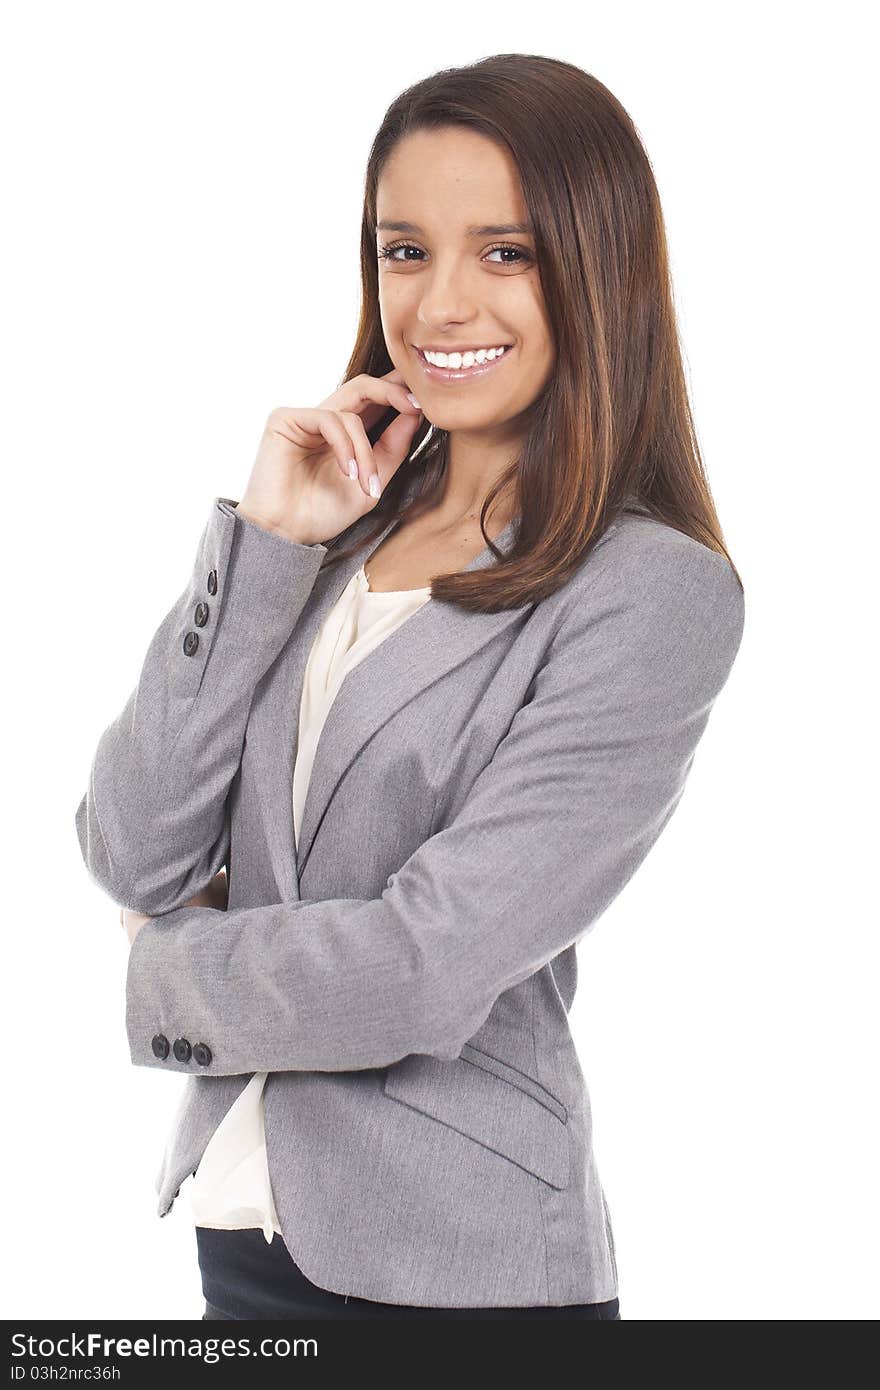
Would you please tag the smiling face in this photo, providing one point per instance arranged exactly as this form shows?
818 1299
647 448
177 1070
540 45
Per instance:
457 271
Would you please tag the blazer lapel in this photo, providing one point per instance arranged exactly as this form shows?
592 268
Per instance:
429 643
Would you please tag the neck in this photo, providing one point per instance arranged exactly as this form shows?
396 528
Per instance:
473 468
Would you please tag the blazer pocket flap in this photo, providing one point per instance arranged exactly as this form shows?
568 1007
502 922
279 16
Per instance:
495 1105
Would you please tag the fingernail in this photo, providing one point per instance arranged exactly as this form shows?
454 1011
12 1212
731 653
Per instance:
375 489
352 468
412 400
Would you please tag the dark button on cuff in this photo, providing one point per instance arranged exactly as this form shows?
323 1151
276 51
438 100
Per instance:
200 617
202 1054
212 582
182 1049
190 643
160 1046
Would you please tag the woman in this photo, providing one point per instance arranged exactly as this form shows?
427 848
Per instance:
430 696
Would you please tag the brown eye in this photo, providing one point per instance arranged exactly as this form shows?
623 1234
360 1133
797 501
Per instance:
386 253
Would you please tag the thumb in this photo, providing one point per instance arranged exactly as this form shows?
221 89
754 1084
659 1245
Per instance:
392 446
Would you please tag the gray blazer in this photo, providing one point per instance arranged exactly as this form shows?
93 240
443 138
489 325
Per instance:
484 786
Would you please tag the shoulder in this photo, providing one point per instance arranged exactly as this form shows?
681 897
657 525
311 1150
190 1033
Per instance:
647 584
641 552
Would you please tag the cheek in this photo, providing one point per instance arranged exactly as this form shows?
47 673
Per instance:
536 369
547 362
395 320
541 334
395 297
541 348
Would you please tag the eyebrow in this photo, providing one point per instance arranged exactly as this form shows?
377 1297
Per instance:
499 229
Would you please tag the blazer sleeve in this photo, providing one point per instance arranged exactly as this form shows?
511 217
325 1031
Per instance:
153 825
578 790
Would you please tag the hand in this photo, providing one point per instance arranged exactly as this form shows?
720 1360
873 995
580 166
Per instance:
299 485
132 922
216 895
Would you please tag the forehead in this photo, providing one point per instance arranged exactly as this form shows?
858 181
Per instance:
437 178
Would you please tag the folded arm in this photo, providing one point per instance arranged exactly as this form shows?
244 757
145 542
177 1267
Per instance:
588 774
216 895
153 825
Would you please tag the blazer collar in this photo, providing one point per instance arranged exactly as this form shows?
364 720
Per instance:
432 641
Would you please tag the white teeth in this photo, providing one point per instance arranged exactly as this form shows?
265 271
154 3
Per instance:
457 360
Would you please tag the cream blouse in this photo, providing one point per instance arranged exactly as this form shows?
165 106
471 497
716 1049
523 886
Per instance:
231 1187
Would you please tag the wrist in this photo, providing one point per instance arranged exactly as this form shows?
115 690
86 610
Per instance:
244 510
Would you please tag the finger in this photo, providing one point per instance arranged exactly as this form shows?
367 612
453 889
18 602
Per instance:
397 377
371 397
362 452
387 390
394 444
332 426
392 447
319 426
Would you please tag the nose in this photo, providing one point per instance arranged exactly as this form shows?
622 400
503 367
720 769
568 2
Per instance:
446 300
440 320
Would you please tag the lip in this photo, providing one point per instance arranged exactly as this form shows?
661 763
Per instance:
464 373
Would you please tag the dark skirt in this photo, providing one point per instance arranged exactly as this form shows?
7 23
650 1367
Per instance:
245 1278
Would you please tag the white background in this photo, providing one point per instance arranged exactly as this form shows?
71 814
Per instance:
183 187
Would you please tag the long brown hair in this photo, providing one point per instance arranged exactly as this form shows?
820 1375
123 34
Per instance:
614 424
